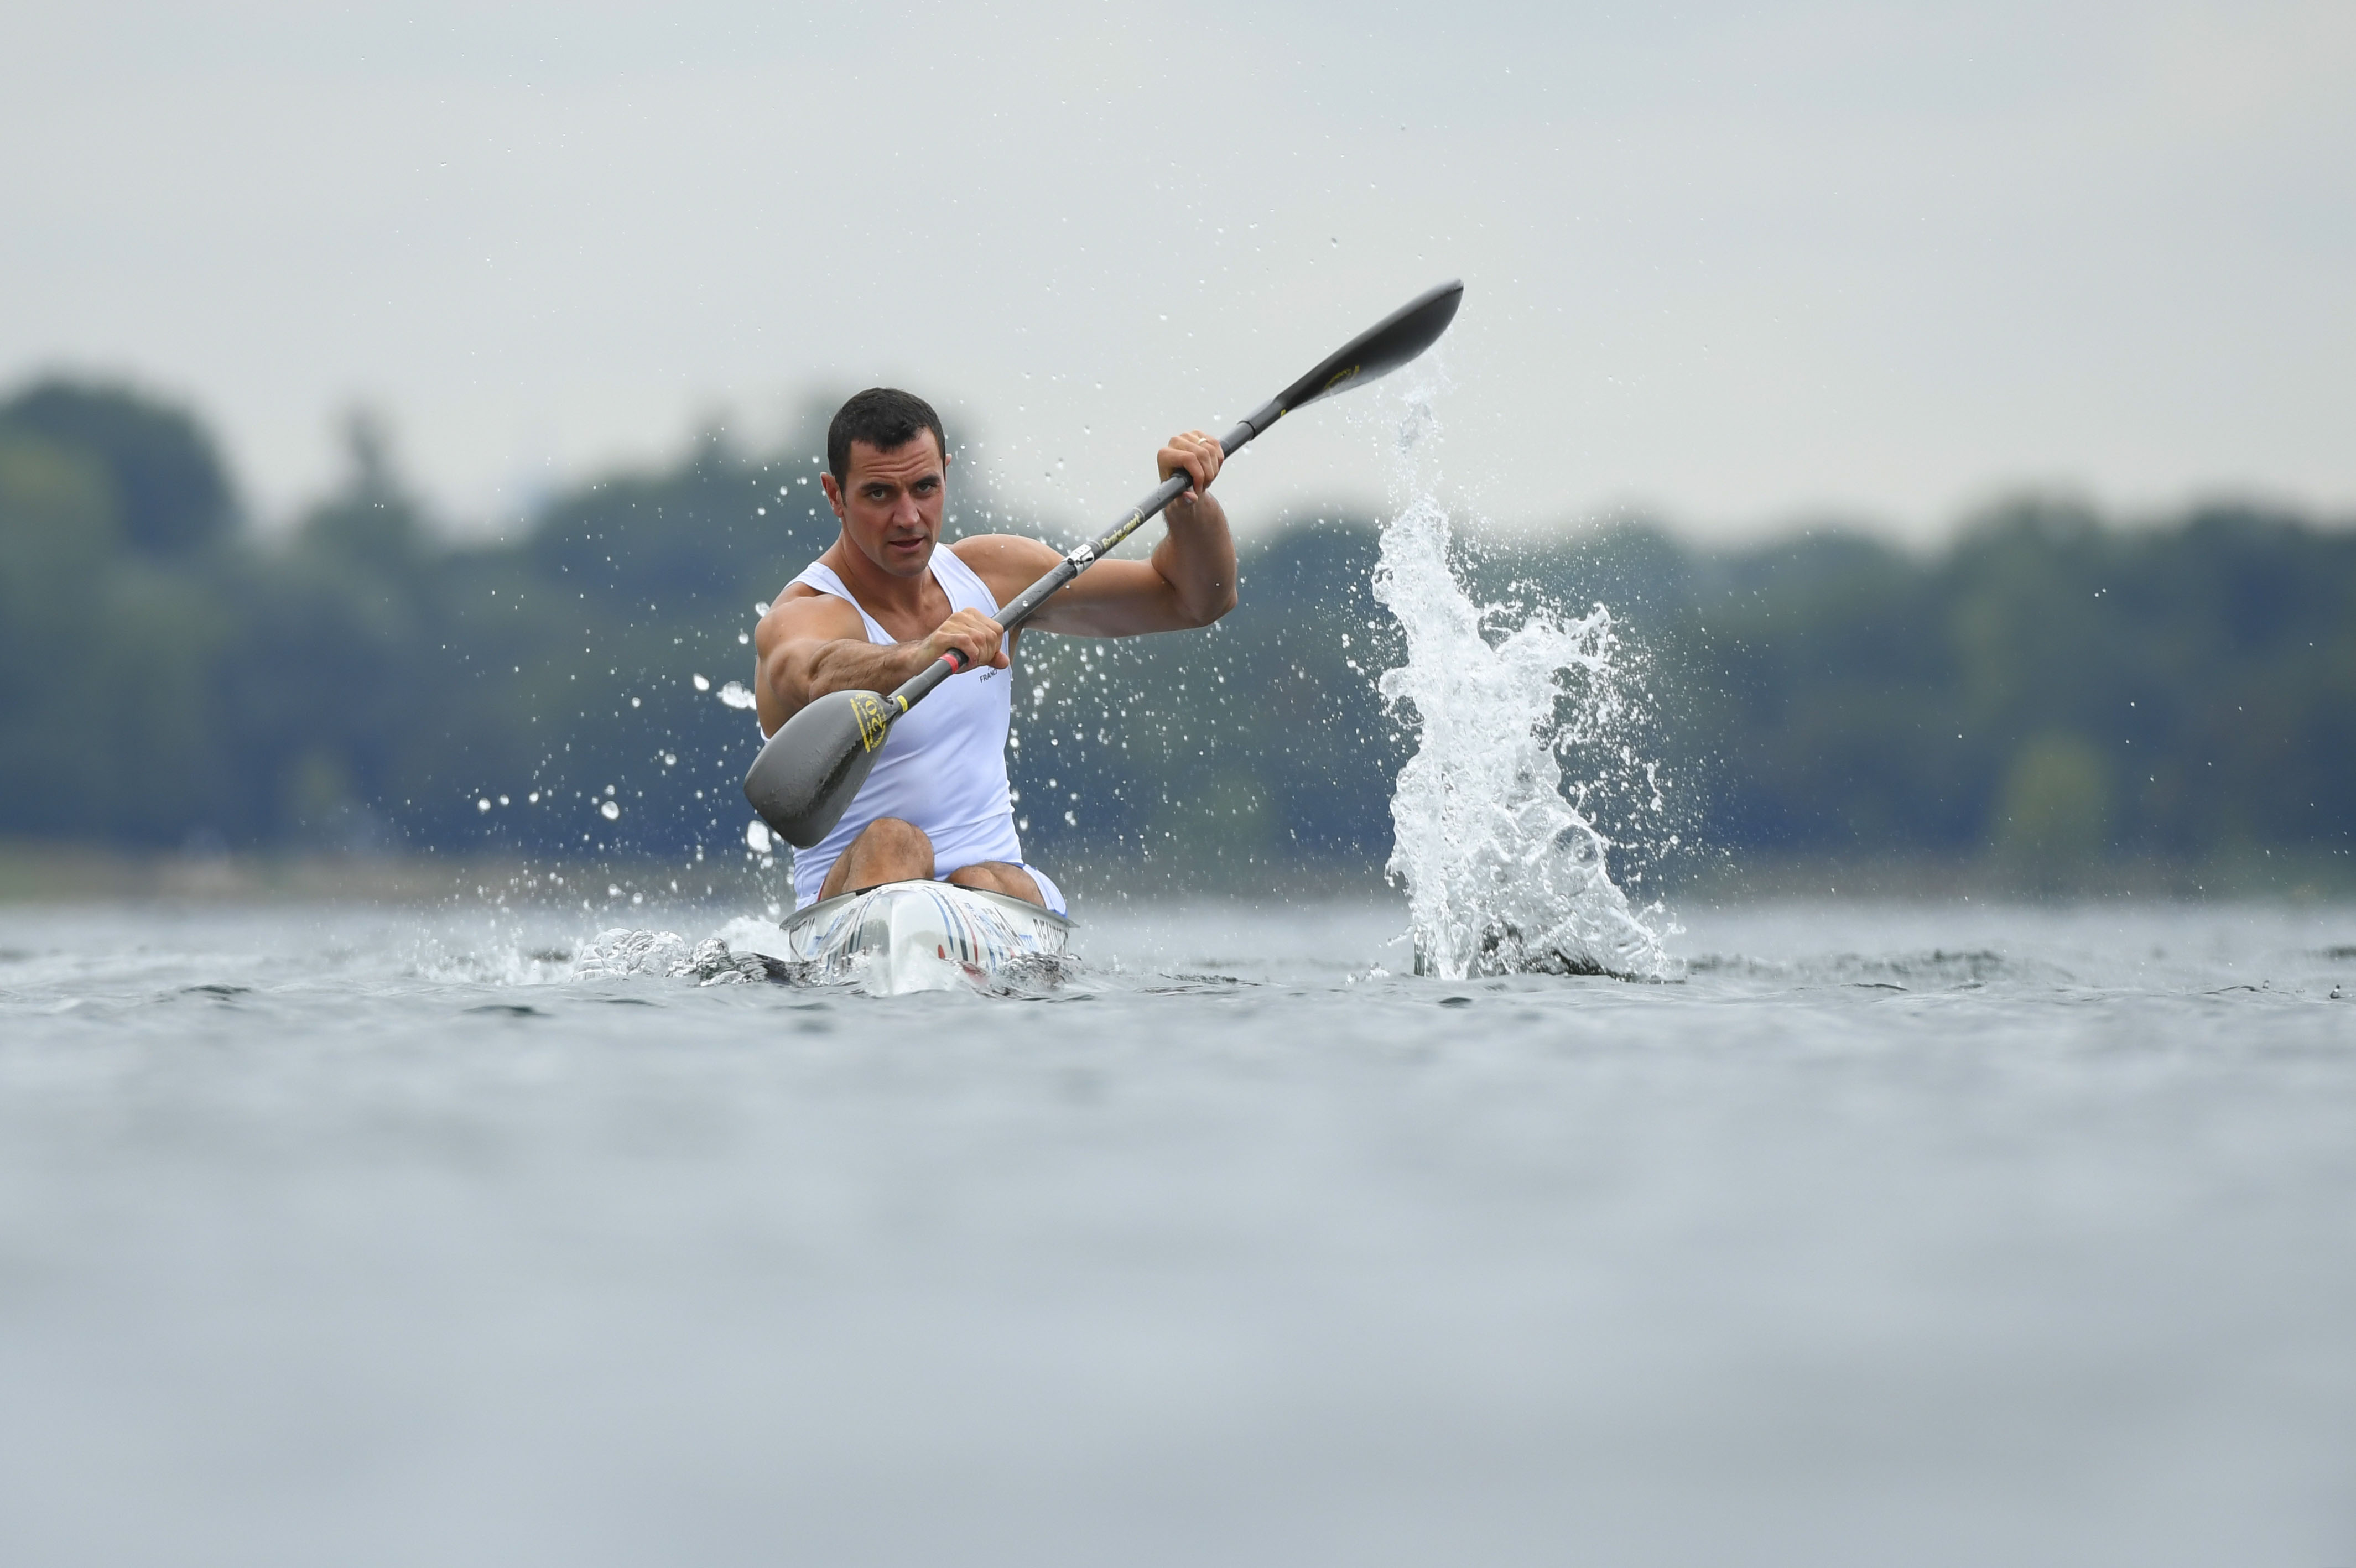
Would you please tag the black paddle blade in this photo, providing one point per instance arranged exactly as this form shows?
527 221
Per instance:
1380 349
804 779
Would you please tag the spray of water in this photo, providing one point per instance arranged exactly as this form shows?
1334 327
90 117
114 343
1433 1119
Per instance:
1503 873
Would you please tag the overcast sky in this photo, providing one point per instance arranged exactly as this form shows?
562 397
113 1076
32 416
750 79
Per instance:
1733 265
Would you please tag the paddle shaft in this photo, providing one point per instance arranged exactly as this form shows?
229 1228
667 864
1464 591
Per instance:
915 688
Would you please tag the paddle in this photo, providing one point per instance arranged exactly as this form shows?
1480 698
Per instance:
804 779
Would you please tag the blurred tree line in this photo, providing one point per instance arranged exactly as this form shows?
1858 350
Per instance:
2047 690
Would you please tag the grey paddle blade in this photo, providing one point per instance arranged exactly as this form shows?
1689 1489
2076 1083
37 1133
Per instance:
1378 351
804 779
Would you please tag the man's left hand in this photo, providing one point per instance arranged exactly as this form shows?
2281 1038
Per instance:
1195 454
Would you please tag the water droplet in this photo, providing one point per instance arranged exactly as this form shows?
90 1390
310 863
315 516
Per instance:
610 811
757 838
735 695
482 805
701 683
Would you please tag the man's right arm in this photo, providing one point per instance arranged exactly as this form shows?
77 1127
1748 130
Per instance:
810 644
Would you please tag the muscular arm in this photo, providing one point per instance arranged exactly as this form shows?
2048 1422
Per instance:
1189 581
809 644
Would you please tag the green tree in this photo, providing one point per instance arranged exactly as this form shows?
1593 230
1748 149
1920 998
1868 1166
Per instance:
57 540
172 492
2053 819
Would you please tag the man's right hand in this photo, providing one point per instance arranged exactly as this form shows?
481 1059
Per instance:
977 638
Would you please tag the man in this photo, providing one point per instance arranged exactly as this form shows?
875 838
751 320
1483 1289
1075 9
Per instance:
886 599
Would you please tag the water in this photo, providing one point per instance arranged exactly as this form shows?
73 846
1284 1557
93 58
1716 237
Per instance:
1504 875
1930 1234
1372 1233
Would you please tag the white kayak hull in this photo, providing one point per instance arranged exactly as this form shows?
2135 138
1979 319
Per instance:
927 936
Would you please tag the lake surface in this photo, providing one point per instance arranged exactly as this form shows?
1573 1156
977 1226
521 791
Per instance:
1891 1234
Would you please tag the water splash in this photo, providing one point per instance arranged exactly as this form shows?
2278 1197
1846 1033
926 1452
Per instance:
1504 874
622 954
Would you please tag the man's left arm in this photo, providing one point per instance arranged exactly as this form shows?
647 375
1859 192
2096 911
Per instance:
1188 582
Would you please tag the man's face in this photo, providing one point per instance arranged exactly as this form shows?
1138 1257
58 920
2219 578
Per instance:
890 502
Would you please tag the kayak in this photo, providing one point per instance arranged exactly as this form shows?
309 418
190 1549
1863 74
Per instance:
927 936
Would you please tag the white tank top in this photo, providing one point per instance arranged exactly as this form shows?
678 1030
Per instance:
944 769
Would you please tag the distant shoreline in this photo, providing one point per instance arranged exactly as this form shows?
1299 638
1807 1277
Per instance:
40 872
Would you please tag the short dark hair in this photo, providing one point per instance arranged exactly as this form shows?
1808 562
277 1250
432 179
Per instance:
885 418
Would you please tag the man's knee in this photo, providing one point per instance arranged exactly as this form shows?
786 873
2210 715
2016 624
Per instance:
998 877
887 849
897 839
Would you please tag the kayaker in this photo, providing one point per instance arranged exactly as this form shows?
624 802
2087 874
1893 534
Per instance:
886 600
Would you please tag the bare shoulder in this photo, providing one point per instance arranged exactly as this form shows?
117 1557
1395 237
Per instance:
1009 563
801 613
